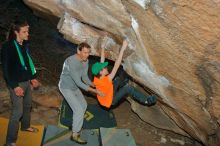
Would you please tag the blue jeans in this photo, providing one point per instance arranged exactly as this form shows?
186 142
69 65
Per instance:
122 89
21 109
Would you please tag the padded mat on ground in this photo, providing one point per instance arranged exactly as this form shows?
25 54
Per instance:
116 137
24 138
55 136
94 118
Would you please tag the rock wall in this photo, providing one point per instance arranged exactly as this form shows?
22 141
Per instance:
174 50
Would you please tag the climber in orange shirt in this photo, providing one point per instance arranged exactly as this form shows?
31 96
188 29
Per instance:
111 89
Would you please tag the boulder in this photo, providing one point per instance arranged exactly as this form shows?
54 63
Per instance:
174 51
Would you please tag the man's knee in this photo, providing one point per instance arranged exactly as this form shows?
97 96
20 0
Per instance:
84 106
16 113
80 111
27 107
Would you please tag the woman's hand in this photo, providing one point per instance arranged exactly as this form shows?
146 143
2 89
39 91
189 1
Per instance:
35 83
19 91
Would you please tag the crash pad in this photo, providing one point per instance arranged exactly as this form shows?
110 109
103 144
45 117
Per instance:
94 118
24 138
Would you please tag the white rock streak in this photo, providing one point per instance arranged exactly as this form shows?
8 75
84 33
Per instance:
72 25
67 2
143 3
143 71
143 68
135 27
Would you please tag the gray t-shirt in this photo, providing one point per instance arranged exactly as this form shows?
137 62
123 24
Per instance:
74 74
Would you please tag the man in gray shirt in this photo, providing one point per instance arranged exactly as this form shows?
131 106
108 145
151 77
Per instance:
73 77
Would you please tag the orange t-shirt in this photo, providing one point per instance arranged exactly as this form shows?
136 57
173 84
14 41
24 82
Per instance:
104 85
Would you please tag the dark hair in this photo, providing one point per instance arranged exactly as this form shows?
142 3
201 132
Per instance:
83 45
16 26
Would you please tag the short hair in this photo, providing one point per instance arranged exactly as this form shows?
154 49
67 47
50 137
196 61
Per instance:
83 45
16 26
98 75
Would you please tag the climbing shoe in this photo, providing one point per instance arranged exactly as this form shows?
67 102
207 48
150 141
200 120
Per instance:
151 100
78 140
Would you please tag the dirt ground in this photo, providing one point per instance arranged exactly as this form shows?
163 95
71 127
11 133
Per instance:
143 133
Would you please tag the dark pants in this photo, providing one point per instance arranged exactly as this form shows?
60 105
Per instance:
122 90
21 109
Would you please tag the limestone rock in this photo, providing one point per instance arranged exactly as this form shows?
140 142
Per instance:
77 32
106 15
43 5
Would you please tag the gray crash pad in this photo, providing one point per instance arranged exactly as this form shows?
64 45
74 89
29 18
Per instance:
116 137
55 136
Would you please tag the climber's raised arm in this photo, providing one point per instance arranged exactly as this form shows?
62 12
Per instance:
119 59
102 54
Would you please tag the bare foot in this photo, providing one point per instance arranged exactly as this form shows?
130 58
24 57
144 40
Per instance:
31 129
13 144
